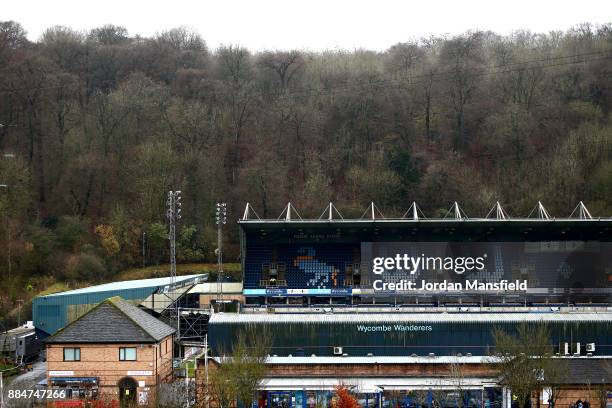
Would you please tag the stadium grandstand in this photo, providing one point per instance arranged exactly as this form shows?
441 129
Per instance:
328 261
389 306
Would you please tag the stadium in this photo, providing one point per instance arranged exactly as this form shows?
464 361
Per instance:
311 283
317 286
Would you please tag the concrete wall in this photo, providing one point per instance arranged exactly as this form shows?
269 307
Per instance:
205 299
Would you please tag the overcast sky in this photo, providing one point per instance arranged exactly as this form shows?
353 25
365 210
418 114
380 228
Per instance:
308 24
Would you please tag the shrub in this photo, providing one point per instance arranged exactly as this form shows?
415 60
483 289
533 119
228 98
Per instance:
89 266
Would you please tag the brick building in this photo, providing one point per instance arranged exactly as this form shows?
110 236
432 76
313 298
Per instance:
115 350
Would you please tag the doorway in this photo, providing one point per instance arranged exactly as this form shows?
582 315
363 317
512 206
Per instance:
280 400
127 392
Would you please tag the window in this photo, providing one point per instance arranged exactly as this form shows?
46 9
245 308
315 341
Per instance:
127 353
72 354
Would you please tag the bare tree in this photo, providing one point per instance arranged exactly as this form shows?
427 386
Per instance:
402 58
181 38
234 67
555 375
601 392
12 38
238 376
179 393
463 57
523 359
109 34
284 63
457 377
421 397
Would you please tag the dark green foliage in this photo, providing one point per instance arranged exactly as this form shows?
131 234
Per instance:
405 166
189 245
39 244
69 231
90 267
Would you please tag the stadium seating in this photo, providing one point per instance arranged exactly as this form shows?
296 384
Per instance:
303 266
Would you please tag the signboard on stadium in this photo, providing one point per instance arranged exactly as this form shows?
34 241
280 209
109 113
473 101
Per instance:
298 292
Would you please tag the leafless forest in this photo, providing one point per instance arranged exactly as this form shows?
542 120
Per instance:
97 126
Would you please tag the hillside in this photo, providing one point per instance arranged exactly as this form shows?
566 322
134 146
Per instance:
98 126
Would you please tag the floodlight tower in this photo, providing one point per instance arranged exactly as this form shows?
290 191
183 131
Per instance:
221 219
173 214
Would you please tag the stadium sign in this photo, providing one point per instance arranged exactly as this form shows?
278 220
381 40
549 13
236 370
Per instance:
387 328
299 292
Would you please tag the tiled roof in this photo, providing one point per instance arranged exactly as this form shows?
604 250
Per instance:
113 321
589 371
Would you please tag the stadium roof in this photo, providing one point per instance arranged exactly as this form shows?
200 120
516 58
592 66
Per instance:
496 225
131 284
54 311
214 287
414 214
373 318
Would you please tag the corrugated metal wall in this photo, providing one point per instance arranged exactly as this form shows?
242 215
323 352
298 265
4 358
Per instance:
51 313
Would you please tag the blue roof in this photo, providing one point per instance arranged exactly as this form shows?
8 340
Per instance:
130 284
54 311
